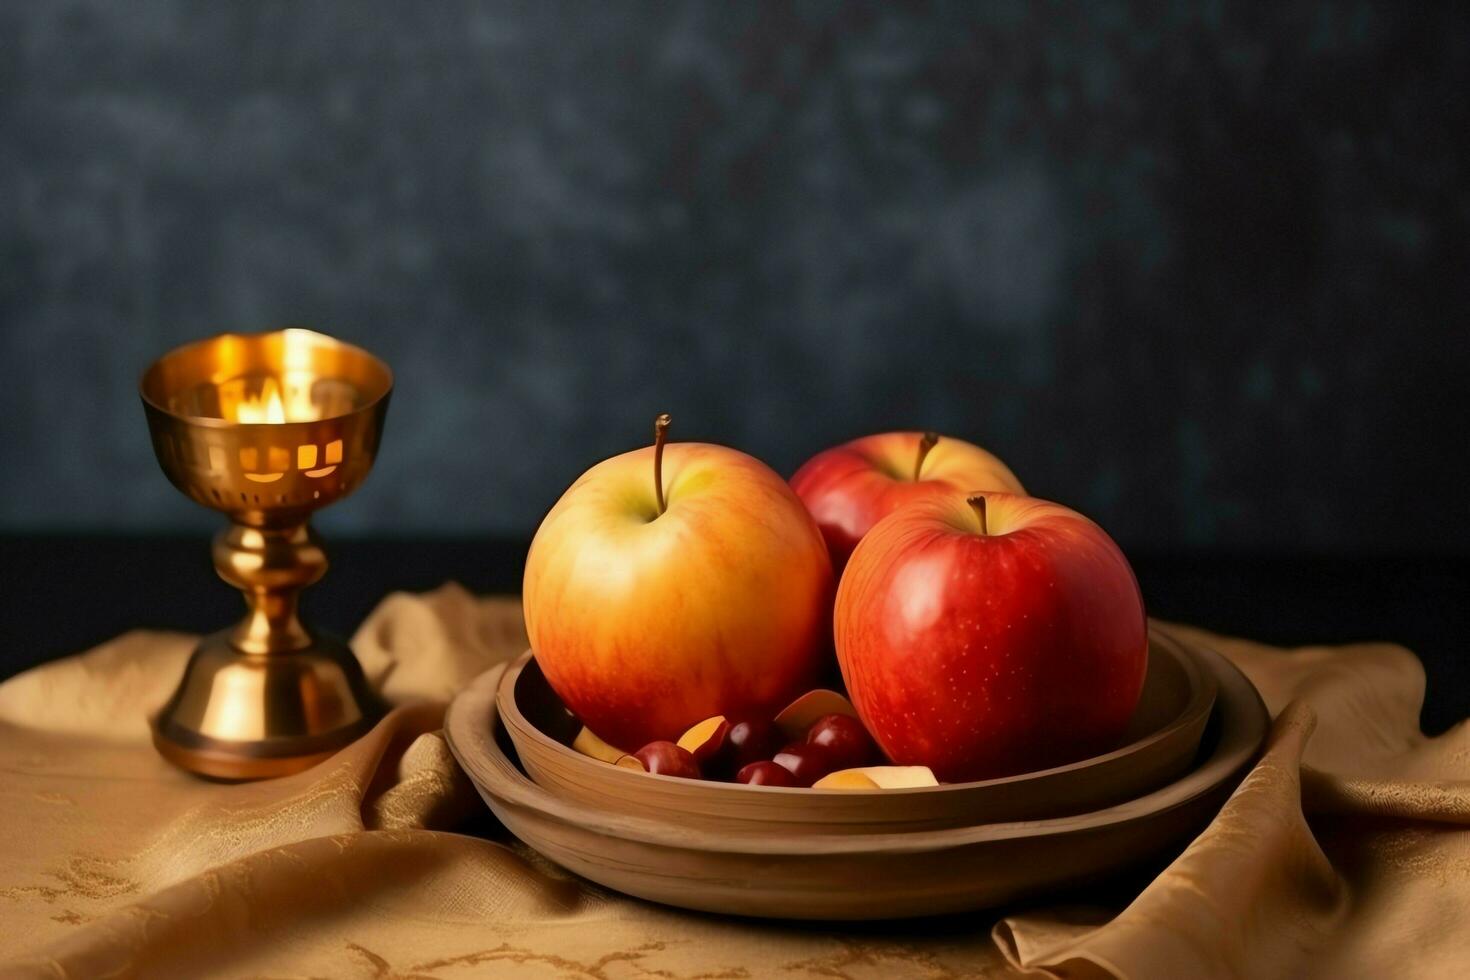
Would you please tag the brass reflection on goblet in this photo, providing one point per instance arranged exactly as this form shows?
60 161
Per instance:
266 428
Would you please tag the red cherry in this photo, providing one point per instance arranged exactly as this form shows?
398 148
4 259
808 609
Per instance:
667 759
750 740
765 773
845 738
806 763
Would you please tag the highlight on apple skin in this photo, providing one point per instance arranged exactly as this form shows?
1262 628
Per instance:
984 635
654 601
851 487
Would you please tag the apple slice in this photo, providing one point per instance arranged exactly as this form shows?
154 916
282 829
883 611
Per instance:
901 777
705 739
630 762
589 744
799 715
846 779
878 777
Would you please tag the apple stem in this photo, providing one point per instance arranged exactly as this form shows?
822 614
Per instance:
660 436
928 442
978 502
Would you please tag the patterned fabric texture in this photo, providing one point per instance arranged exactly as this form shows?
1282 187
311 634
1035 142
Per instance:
1343 854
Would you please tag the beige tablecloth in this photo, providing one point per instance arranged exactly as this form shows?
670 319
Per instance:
112 864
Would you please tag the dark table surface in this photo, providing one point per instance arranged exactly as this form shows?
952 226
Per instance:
66 593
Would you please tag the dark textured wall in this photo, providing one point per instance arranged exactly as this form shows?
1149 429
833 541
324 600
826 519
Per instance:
1199 270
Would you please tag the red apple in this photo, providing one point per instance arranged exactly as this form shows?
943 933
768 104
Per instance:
670 585
992 635
850 488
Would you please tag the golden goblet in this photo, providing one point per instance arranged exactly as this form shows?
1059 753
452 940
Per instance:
266 428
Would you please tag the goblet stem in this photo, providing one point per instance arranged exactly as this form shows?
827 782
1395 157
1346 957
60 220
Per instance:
270 565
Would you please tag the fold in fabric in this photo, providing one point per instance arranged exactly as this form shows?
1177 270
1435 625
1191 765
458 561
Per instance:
1354 866
1255 888
1343 853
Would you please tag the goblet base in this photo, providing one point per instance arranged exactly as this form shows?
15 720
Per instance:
241 716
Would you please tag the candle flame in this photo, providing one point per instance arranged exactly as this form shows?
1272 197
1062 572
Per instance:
265 407
277 402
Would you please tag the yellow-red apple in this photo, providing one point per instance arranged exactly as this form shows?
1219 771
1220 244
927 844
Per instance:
989 634
851 487
669 585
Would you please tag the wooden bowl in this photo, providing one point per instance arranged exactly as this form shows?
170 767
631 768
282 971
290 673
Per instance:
1160 744
853 876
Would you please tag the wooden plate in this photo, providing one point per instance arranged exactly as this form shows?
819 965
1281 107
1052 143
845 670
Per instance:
853 876
1161 742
